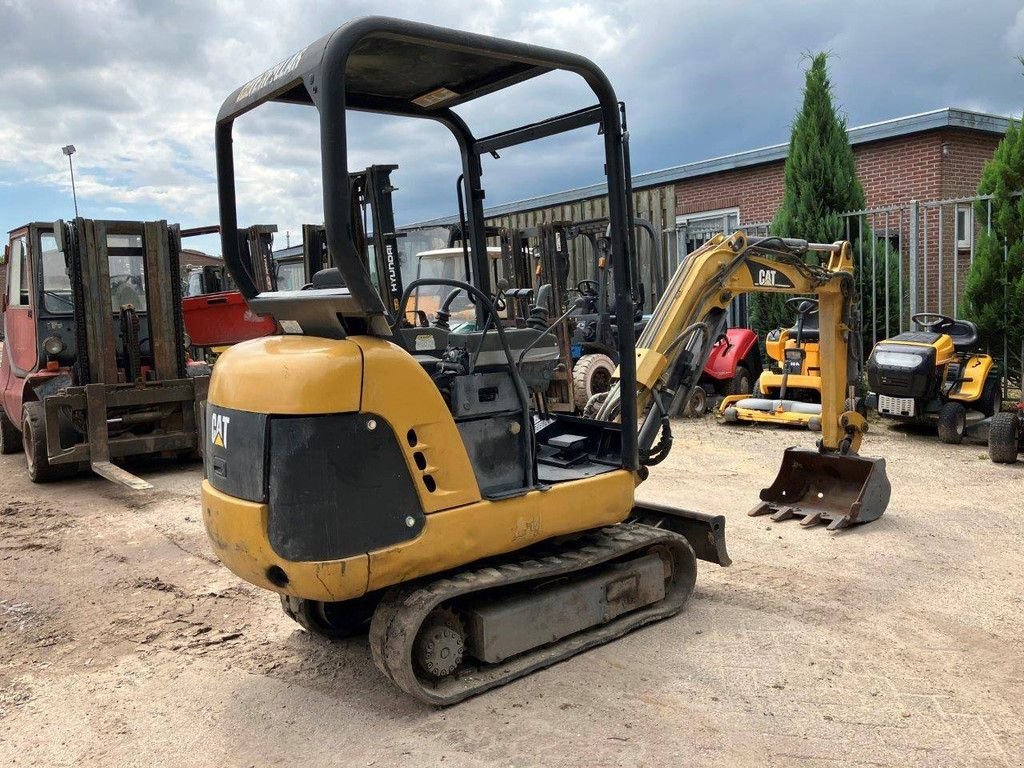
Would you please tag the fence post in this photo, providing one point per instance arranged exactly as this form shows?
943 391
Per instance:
914 217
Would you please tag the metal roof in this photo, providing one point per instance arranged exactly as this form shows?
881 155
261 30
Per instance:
949 117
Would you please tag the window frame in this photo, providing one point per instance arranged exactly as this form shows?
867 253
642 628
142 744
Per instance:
963 243
18 268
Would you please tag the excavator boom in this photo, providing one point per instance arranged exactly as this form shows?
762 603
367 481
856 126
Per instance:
831 483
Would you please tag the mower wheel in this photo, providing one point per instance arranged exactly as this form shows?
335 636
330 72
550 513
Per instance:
1004 437
33 438
991 398
697 405
952 423
740 383
10 437
591 376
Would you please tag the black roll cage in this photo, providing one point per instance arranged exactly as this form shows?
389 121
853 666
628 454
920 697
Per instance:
363 66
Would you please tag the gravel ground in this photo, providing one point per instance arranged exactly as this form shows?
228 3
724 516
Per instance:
123 642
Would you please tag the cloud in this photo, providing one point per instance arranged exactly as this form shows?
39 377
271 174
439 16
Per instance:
136 87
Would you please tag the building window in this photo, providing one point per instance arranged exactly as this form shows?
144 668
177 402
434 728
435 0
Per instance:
695 229
964 227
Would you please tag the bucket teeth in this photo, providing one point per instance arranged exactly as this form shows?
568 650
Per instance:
761 509
812 519
839 523
784 513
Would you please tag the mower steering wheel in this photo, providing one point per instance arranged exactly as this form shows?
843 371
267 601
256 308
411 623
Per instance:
584 283
932 320
798 304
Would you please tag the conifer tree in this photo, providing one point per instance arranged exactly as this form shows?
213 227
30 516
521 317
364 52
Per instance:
994 290
820 183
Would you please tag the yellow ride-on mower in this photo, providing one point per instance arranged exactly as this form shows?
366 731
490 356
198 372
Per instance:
792 394
935 375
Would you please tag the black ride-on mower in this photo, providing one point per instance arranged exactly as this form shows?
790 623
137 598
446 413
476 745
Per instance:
935 375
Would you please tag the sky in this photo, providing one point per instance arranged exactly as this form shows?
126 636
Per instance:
136 87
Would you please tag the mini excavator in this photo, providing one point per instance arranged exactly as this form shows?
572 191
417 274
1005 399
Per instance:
418 495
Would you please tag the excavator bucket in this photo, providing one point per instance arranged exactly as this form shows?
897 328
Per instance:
821 487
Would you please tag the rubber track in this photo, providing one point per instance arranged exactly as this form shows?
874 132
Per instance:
402 611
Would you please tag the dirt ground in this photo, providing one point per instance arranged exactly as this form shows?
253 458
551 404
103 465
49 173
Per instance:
123 642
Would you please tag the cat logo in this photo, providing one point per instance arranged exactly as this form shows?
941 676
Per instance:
765 277
219 429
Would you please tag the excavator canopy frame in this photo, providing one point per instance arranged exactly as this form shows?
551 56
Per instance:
403 68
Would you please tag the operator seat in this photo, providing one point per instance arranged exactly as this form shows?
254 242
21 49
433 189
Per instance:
964 334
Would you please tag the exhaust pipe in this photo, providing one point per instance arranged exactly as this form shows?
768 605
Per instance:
840 490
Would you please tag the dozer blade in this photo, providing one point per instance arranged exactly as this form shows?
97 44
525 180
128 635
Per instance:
823 487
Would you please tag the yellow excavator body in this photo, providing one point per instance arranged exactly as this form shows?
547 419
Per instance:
385 390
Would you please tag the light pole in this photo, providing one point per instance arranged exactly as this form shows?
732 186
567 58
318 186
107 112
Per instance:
69 150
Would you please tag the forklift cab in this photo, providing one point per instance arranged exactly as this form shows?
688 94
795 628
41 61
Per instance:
447 263
38 321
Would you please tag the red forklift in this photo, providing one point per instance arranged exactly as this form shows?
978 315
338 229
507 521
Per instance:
93 366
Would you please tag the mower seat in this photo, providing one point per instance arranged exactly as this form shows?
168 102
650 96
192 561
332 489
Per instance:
964 334
810 332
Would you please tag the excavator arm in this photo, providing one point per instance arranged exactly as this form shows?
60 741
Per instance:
831 483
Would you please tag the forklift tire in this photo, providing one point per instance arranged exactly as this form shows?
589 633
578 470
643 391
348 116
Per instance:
952 423
591 376
33 437
1004 438
334 621
740 383
10 437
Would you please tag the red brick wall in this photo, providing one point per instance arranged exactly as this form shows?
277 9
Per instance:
938 165
892 171
966 155
896 171
756 191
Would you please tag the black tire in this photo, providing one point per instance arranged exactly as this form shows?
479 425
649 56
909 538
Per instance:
331 620
10 437
591 375
756 390
33 438
740 383
991 399
952 423
1004 438
697 405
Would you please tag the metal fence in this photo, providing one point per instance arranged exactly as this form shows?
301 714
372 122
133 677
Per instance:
914 258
